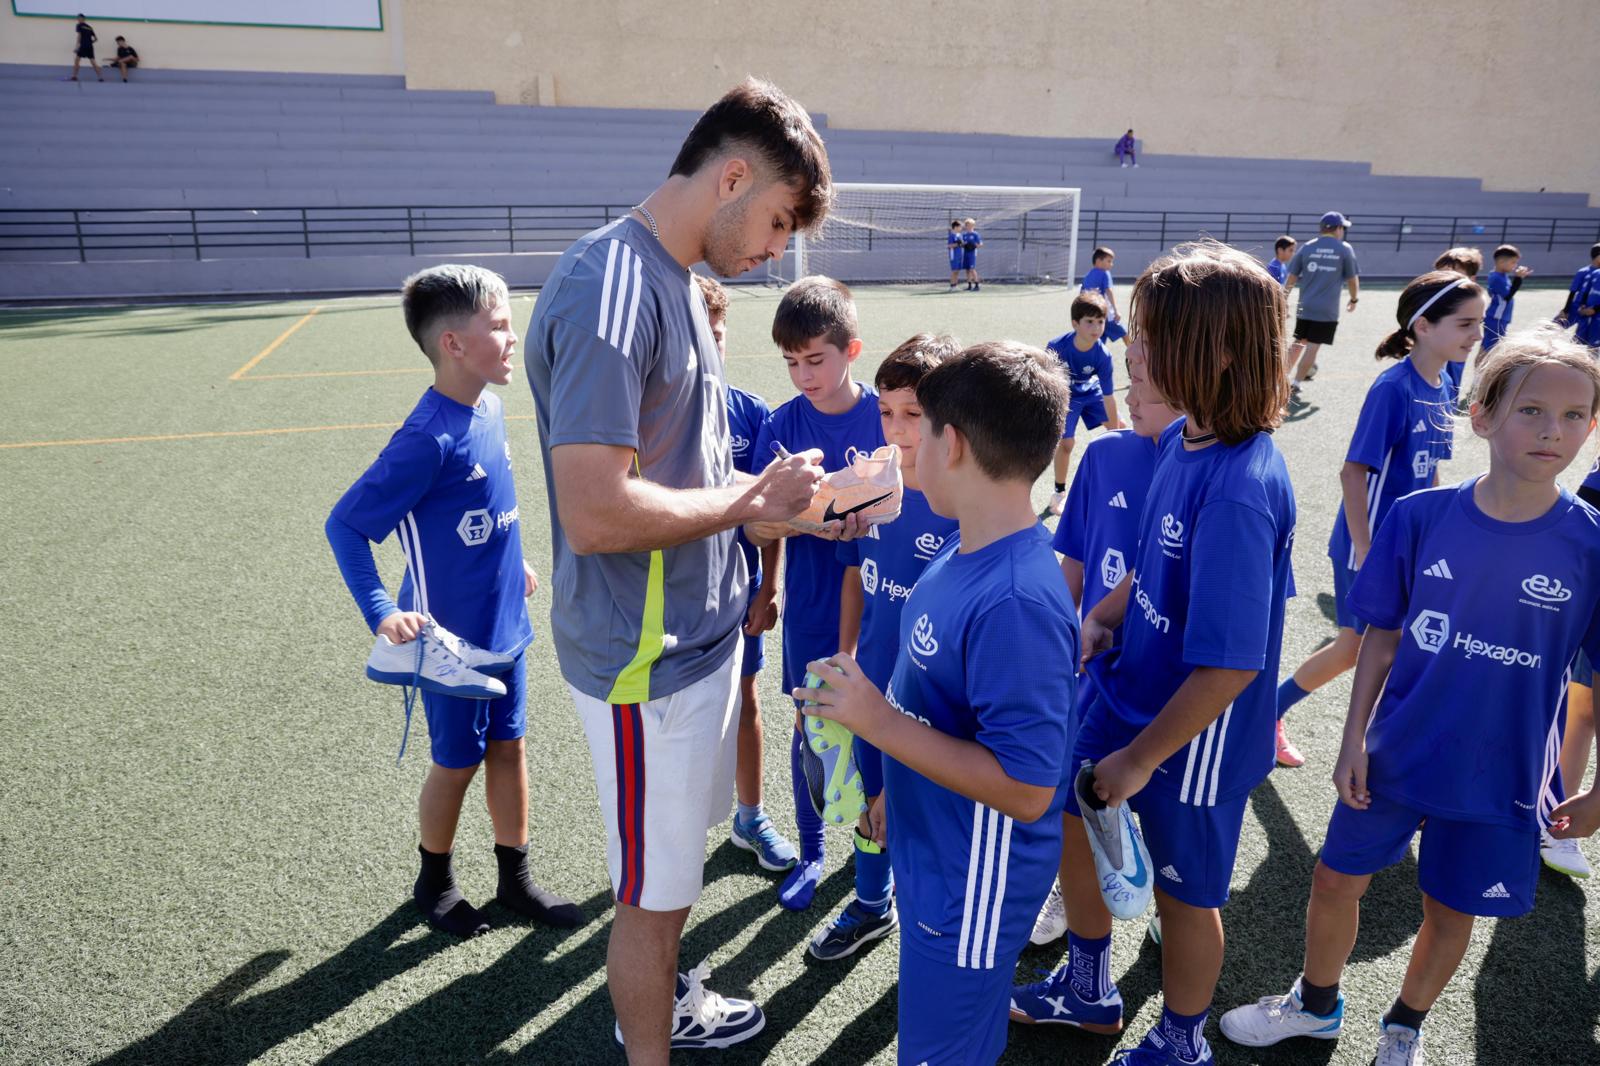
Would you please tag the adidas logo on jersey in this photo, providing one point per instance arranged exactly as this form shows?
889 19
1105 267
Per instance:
1496 891
1440 569
1171 874
1119 500
477 473
1420 427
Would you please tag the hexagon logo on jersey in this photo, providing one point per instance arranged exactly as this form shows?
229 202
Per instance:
1422 464
1431 629
869 576
475 527
922 638
1113 568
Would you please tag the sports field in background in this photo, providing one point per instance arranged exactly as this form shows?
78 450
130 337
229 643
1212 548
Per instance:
206 849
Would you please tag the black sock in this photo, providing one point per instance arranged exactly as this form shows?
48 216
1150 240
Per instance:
441 902
1400 1014
1061 486
1318 999
519 892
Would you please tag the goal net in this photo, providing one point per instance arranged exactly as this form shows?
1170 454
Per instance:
897 233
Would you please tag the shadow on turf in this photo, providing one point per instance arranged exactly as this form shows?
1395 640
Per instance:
114 321
227 1025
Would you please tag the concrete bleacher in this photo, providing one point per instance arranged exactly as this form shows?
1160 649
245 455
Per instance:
274 144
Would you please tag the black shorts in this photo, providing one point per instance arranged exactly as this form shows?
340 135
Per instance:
85 51
1309 329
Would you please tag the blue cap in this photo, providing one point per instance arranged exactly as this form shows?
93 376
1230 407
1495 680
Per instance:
1334 218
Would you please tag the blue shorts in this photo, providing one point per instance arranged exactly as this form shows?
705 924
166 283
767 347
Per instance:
1343 578
1492 332
799 648
1583 670
969 260
955 260
1093 413
952 1015
755 648
459 730
1115 331
1473 867
1192 848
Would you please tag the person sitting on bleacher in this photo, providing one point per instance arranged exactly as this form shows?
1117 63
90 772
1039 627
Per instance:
1125 150
127 58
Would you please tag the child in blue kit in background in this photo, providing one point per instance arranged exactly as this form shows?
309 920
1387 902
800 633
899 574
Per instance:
1087 361
1454 705
1099 282
974 724
752 829
815 329
1404 431
1177 719
1282 252
970 242
1468 262
450 458
1579 289
953 245
1098 534
881 568
1503 283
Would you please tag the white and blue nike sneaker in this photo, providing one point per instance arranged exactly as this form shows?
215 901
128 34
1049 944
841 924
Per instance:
772 851
703 1019
1157 1050
432 663
1121 861
1054 1001
1274 1018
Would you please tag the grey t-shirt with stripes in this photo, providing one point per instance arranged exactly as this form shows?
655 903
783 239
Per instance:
620 352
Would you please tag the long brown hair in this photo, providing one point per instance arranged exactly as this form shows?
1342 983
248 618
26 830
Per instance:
1446 288
1211 319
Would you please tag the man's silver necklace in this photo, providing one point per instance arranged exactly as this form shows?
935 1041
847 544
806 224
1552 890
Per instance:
648 217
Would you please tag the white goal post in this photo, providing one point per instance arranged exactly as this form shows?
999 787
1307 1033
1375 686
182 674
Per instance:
897 233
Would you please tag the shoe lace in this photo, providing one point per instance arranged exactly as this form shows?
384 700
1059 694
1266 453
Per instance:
698 1001
409 695
1396 1045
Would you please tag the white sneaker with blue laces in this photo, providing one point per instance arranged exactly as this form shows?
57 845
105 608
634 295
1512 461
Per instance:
1121 861
1399 1045
1274 1018
703 1019
475 658
429 663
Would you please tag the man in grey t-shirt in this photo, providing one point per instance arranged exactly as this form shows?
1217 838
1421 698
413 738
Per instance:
1320 267
649 588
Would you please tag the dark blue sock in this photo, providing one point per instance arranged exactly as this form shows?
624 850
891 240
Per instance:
1089 966
874 879
806 818
1289 694
1185 1032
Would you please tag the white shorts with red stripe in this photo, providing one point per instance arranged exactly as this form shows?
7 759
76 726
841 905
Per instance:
664 771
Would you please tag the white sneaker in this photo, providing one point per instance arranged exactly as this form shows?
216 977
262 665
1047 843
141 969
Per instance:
474 657
1121 861
1563 856
703 1019
1051 924
1058 502
1154 929
1274 1018
1399 1045
429 664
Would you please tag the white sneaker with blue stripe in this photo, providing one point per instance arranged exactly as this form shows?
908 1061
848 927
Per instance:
431 664
1274 1018
703 1019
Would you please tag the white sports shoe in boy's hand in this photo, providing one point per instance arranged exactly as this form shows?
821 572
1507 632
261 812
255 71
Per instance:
432 662
1121 862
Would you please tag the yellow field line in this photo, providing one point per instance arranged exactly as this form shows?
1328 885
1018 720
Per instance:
269 349
160 437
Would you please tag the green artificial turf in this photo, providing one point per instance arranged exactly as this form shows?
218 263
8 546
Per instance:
206 849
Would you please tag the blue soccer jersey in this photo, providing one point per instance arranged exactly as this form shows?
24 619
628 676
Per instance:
988 653
891 557
1209 583
1577 291
1592 479
953 244
969 248
444 484
1089 371
1100 526
812 572
1097 280
1278 269
1589 325
1491 615
1501 302
1404 431
746 413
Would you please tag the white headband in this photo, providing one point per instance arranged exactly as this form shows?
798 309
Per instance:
1434 298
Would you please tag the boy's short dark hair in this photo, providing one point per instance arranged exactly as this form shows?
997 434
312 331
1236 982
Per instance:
1508 251
122 38
1102 252
1089 305
1594 251
1007 398
445 294
813 307
1463 260
1283 242
760 116
715 295
955 223
907 365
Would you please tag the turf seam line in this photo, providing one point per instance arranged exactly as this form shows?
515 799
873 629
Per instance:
269 349
213 435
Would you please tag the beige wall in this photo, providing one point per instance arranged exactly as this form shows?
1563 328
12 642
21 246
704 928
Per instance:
203 47
1481 88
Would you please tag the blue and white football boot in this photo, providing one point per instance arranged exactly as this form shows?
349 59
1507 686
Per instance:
1054 1001
1121 861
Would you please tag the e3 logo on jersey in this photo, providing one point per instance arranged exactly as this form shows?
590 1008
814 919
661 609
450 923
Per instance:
927 546
922 639
1547 591
1171 536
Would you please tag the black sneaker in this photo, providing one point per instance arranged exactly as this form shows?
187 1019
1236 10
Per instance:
855 926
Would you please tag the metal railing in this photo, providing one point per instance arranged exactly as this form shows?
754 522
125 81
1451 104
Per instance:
91 235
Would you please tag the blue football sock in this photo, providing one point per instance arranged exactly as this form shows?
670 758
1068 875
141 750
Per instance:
1289 694
1089 966
874 878
800 886
806 818
749 813
1185 1032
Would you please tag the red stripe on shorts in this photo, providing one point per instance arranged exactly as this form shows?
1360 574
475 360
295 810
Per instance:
628 744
